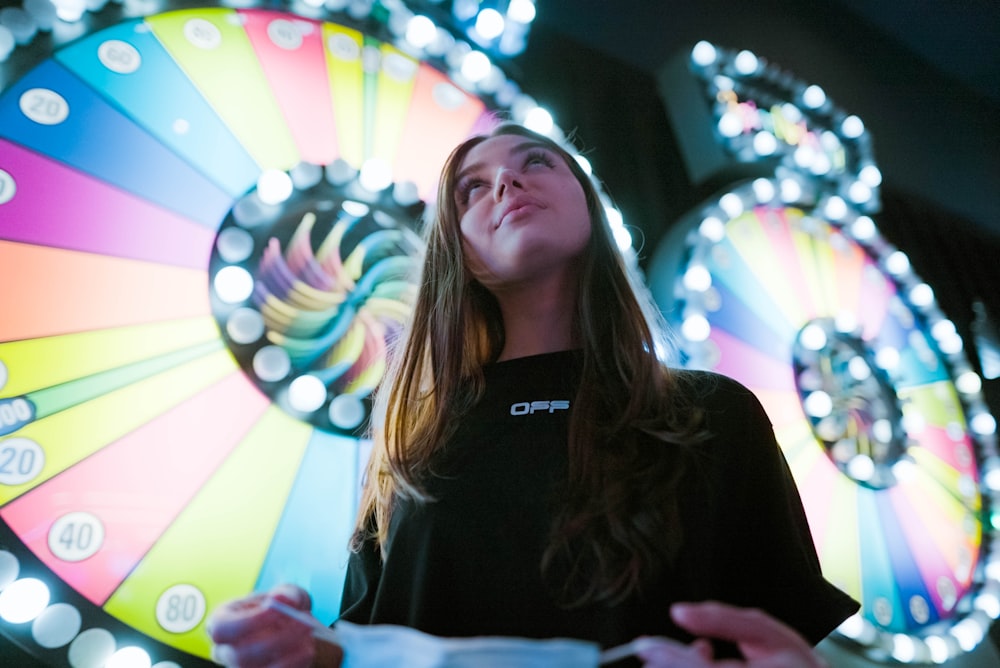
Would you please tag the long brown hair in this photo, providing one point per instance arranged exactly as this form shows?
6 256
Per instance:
619 524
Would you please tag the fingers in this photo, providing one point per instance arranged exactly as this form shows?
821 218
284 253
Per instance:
738 625
284 643
249 634
235 619
291 651
293 595
757 634
245 616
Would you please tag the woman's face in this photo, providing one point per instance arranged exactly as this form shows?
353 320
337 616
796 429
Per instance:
523 214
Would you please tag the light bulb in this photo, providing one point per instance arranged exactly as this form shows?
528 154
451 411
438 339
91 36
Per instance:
539 120
490 23
23 600
521 11
476 66
814 97
813 337
274 186
863 228
697 278
731 204
712 229
764 143
703 54
852 127
835 208
306 393
420 31
897 263
818 404
791 190
731 124
696 328
233 284
870 175
859 192
746 62
375 175
763 190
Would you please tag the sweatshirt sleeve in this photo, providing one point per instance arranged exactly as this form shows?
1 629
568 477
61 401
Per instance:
364 569
768 558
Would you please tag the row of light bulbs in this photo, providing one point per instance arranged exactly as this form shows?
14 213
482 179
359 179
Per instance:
415 33
495 29
844 136
843 194
696 281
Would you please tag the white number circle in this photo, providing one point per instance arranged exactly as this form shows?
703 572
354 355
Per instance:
399 67
284 34
447 96
343 47
44 106
203 34
180 608
76 536
119 56
7 190
21 459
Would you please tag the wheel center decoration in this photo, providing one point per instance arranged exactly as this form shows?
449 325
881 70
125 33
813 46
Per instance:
311 284
782 281
850 402
208 229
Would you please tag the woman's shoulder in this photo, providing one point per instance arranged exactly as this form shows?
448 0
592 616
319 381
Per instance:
733 417
712 390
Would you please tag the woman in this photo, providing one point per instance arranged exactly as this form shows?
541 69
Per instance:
538 472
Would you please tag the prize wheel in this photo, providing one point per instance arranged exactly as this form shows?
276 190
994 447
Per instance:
207 230
784 283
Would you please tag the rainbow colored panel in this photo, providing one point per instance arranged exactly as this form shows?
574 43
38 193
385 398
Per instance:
908 551
155 479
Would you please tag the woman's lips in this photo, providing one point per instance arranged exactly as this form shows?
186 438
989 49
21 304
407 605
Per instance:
516 209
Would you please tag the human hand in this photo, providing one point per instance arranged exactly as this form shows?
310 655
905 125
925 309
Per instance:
248 633
764 641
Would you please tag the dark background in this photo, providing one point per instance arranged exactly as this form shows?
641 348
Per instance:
924 76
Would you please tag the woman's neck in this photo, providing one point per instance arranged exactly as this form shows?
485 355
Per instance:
538 319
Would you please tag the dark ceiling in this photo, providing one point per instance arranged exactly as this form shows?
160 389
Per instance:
957 37
905 65
924 76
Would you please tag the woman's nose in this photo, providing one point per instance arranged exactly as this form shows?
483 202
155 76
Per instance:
505 179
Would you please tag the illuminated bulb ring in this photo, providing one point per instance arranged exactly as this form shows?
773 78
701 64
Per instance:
311 323
752 236
58 613
765 115
245 327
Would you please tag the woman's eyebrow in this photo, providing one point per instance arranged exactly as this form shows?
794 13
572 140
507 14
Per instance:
517 149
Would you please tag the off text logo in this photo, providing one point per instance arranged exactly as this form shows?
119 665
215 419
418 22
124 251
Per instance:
531 407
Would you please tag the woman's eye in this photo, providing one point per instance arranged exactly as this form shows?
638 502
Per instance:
467 190
538 158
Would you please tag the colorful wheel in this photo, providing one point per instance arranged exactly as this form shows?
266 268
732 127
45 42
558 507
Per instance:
783 282
206 233
877 413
